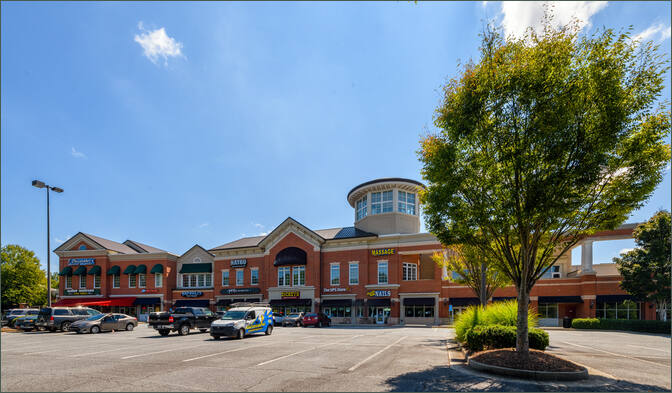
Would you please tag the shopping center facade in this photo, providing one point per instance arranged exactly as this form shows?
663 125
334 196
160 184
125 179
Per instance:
379 270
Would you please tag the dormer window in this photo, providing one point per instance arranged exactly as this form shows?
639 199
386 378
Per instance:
381 202
361 208
406 202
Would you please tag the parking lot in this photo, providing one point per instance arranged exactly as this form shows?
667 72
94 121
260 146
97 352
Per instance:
295 359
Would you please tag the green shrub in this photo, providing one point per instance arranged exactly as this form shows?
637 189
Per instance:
498 336
634 325
499 313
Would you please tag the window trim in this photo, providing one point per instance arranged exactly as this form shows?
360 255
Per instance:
296 271
252 271
96 277
228 278
331 274
350 277
66 282
144 277
82 277
387 271
156 277
283 269
405 269
113 279
129 281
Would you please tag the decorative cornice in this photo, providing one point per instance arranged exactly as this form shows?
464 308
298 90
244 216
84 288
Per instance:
143 256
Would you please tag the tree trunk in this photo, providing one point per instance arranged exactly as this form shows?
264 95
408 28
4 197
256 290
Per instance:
522 339
484 295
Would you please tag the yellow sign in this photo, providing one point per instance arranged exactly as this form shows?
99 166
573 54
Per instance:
382 251
290 295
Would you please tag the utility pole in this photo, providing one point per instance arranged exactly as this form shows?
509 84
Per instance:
40 184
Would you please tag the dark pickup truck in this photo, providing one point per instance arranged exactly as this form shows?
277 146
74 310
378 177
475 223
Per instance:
182 320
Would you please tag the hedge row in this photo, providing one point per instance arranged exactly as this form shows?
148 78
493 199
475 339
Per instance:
634 325
499 336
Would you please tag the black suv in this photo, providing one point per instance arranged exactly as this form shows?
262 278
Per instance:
53 318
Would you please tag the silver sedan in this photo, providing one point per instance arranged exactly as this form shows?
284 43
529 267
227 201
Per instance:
104 322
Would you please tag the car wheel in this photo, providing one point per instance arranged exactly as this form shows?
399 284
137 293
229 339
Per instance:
184 330
215 337
65 326
297 324
269 330
95 329
164 332
129 327
241 334
203 330
319 324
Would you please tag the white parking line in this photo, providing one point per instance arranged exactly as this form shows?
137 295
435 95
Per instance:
353 368
295 353
167 350
616 354
231 350
654 349
94 353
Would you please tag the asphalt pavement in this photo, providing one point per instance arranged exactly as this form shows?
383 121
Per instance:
291 359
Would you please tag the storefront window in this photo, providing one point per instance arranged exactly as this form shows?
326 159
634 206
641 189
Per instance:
382 272
68 282
381 202
299 275
82 281
335 274
284 276
337 311
240 277
419 311
116 281
549 310
612 310
354 273
361 208
410 272
142 280
225 278
96 281
406 203
197 280
131 280
254 276
158 280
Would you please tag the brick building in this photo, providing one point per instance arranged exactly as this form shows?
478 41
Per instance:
377 271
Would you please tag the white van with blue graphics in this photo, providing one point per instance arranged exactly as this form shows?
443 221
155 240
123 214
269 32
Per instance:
243 319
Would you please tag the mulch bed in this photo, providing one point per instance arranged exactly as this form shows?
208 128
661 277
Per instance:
537 361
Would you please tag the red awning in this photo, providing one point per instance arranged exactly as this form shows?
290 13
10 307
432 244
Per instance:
117 301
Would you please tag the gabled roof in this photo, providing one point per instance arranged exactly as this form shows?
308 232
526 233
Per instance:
128 247
240 243
143 248
197 246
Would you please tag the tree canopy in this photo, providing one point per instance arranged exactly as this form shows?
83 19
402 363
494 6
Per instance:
646 269
546 139
23 281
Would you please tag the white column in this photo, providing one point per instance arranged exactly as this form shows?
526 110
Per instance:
587 257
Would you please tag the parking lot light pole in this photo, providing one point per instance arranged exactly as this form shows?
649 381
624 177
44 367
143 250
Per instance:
39 184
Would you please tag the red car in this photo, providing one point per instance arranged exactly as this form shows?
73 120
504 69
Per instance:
316 319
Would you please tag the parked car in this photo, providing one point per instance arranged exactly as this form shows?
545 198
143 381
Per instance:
182 320
53 318
220 313
104 322
12 316
27 323
293 320
278 317
241 321
316 319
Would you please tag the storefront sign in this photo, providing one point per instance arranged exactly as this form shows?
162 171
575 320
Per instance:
81 261
238 262
192 293
382 251
76 292
379 293
327 290
290 295
150 291
236 291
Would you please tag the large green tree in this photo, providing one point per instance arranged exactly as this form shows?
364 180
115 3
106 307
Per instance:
23 281
646 269
546 139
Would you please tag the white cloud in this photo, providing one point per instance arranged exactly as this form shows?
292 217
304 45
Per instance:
77 154
517 16
259 226
157 43
262 234
624 250
205 224
656 32
59 241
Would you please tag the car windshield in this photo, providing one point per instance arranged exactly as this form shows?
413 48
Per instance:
230 315
182 310
311 315
95 317
293 316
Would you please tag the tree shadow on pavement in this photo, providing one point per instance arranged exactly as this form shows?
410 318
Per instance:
449 379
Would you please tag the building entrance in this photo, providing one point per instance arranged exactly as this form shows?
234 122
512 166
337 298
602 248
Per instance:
379 314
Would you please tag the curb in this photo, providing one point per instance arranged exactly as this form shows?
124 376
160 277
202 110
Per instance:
529 374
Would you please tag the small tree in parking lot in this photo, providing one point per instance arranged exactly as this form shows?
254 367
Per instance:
646 269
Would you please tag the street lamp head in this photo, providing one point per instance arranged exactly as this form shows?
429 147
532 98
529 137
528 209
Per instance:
38 184
56 189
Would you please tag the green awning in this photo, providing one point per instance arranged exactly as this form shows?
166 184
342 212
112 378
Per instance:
67 271
80 271
130 269
116 270
141 269
94 270
158 268
196 268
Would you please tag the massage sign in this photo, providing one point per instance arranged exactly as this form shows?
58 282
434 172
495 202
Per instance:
382 251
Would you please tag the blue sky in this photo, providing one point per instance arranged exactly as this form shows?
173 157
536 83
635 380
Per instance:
174 124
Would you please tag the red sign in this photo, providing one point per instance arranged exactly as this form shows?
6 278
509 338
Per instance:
150 291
